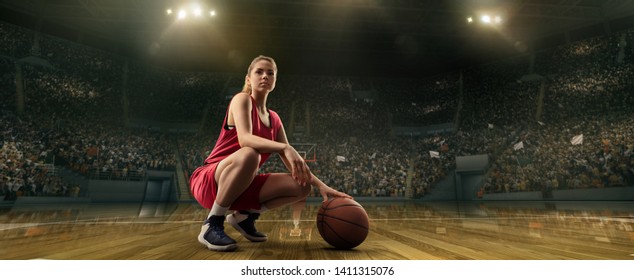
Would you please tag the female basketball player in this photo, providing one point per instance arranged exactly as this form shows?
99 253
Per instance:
228 180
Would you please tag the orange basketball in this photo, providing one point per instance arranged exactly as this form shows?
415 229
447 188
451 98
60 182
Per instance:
343 223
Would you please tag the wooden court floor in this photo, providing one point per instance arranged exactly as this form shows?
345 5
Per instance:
399 230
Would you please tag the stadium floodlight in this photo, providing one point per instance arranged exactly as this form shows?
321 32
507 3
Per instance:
198 12
193 10
486 19
182 14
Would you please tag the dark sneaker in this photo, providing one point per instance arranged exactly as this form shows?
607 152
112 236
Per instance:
247 227
212 235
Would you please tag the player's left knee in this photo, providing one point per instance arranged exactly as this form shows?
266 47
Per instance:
304 191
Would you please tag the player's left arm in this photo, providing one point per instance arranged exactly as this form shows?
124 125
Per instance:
324 189
327 191
299 170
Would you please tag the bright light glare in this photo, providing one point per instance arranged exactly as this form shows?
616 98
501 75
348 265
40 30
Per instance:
498 19
193 10
486 19
469 19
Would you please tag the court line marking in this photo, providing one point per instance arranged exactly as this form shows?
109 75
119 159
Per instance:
115 220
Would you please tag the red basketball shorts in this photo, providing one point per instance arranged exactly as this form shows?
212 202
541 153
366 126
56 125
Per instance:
204 188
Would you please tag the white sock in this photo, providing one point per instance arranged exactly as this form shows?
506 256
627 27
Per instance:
261 210
241 217
217 210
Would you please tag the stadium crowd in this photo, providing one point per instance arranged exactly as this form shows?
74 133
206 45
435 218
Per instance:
75 113
588 93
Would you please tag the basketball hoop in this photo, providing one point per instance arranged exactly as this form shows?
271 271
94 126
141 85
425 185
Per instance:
308 151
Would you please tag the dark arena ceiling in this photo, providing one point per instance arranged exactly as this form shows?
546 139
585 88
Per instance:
325 37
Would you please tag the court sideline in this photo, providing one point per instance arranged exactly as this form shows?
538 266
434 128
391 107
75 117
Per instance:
399 230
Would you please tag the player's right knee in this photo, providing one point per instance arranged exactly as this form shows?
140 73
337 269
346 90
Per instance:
249 158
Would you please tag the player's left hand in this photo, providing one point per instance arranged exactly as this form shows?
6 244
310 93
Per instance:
327 192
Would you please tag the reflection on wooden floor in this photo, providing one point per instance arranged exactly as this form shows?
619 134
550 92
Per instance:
399 230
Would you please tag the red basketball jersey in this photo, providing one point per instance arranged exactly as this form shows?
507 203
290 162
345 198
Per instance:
227 142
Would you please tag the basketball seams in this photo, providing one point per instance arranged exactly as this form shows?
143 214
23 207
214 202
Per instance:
343 205
337 234
325 207
340 227
342 220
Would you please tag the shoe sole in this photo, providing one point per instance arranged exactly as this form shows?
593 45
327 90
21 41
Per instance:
219 248
234 223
